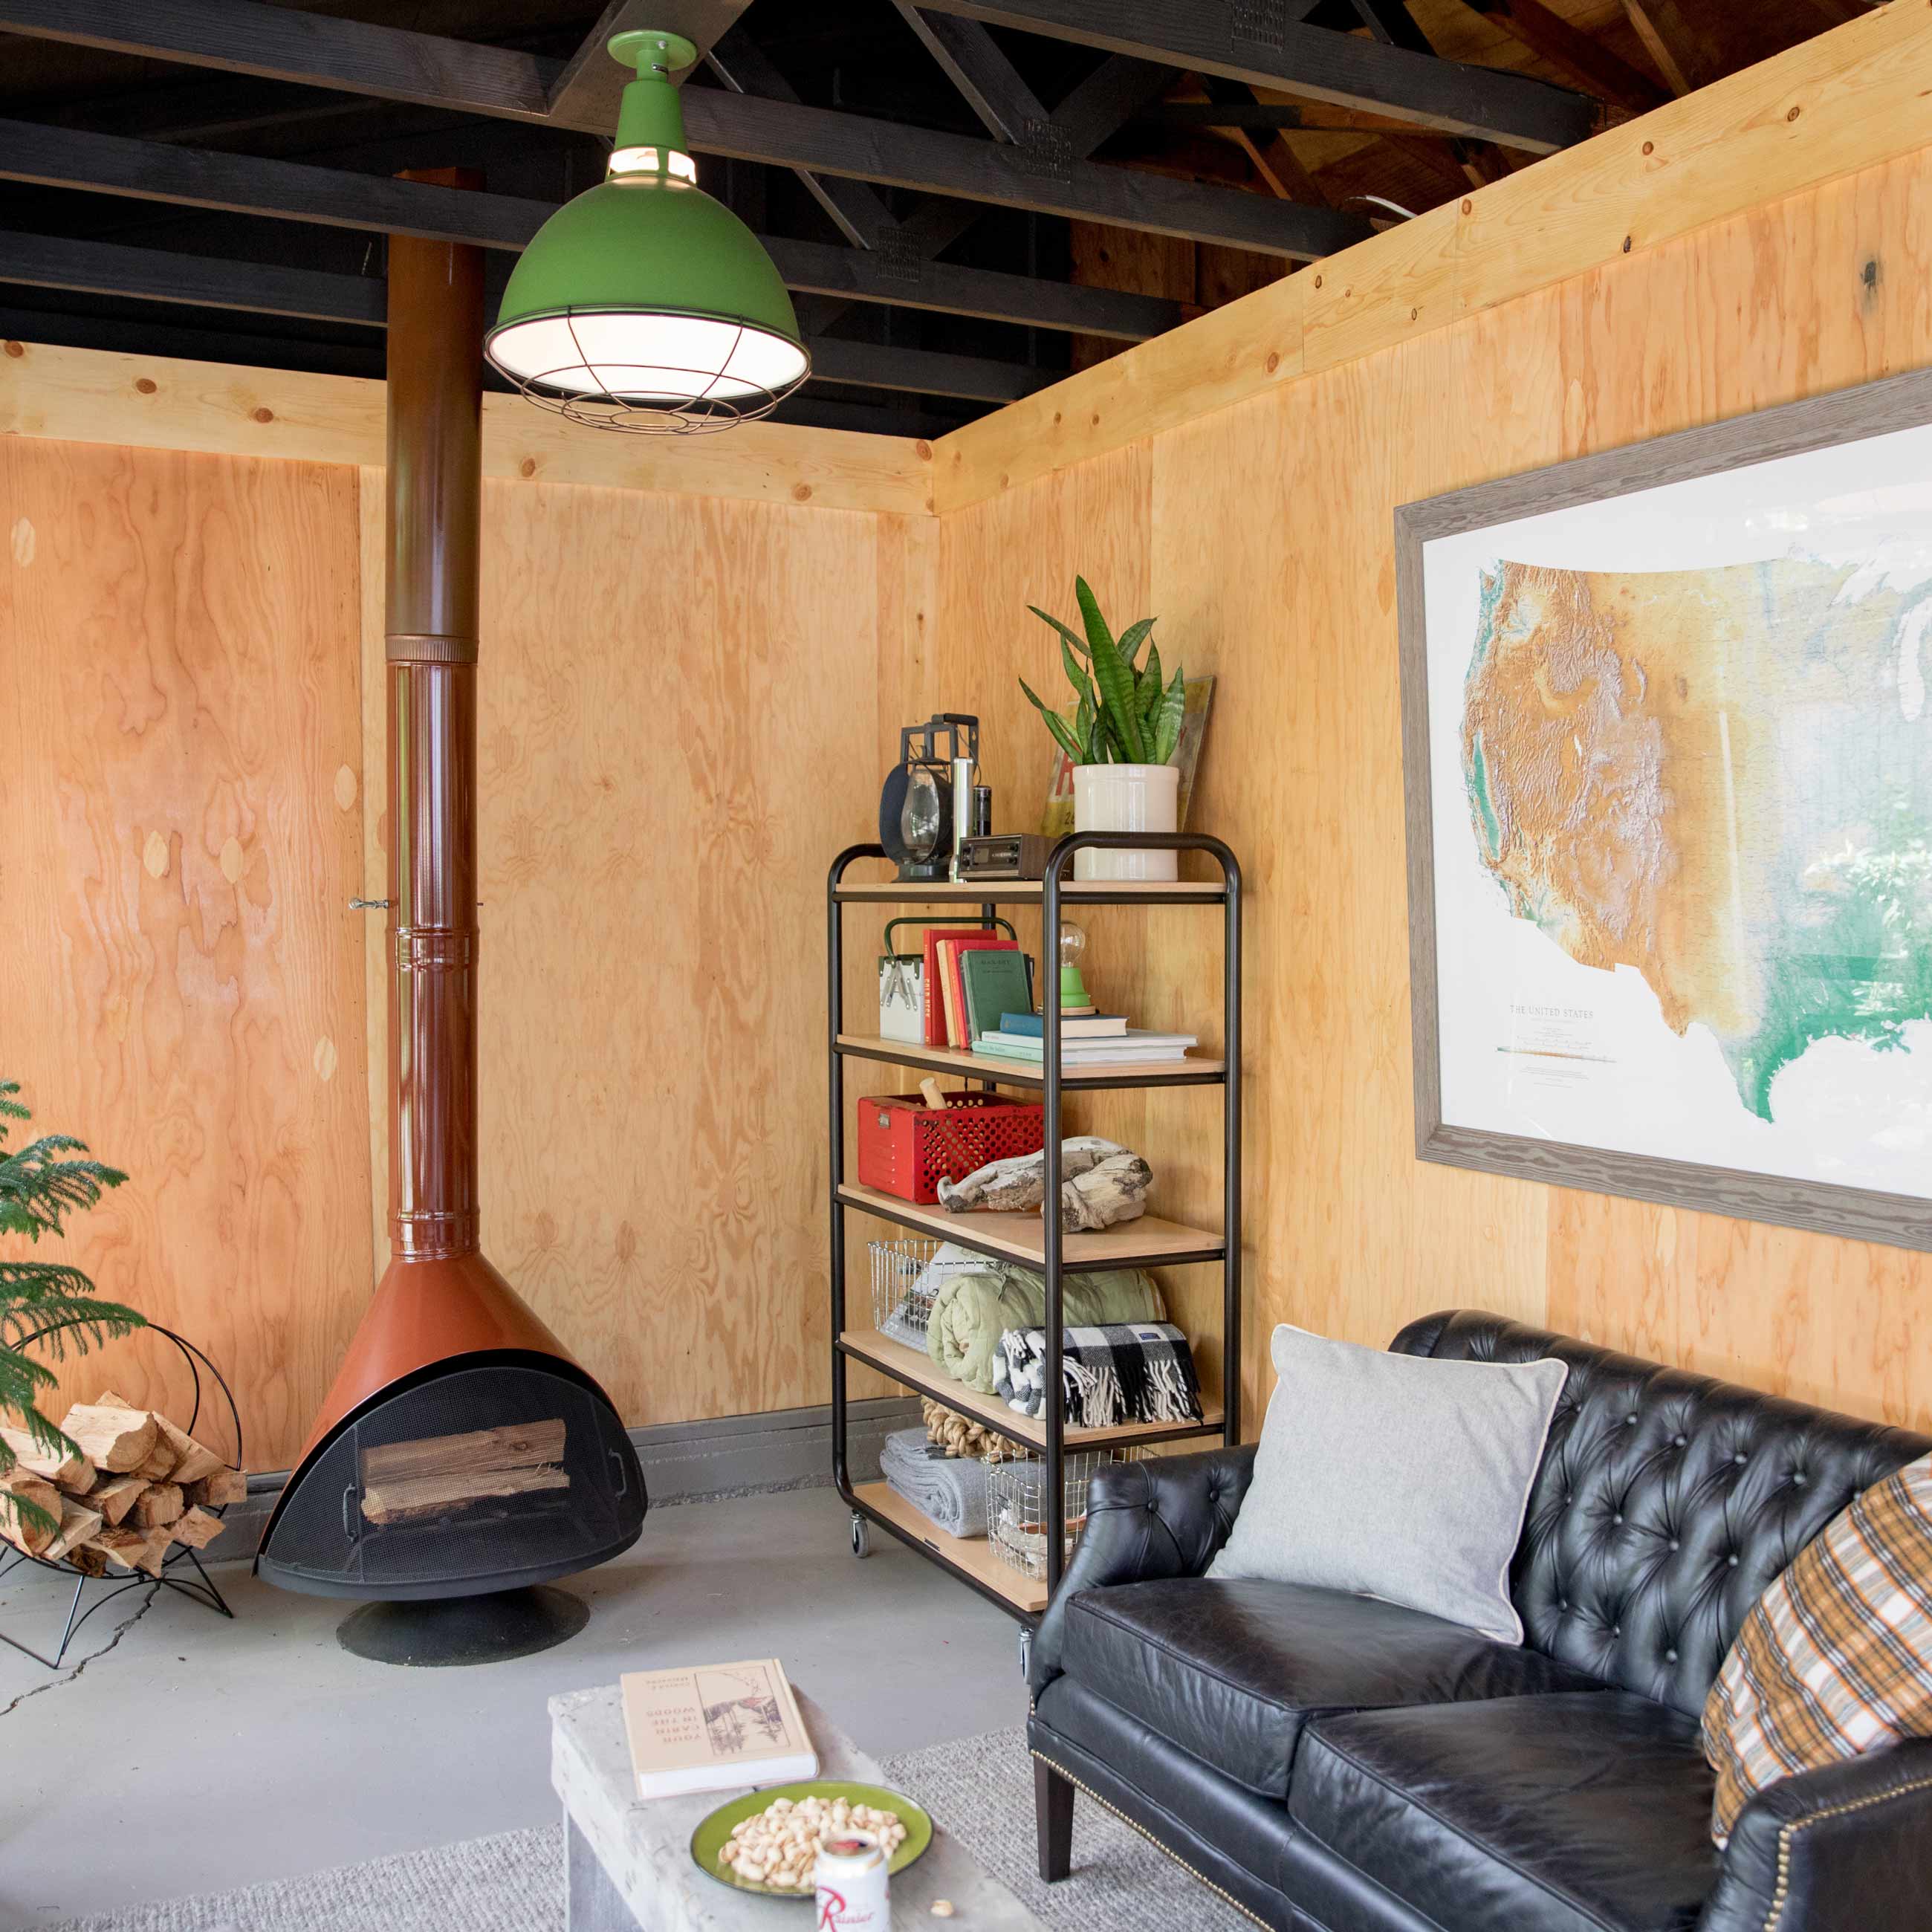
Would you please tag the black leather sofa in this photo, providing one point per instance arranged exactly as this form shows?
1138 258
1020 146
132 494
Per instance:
1328 1762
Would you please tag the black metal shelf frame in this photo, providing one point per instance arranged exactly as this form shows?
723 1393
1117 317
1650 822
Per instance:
1053 897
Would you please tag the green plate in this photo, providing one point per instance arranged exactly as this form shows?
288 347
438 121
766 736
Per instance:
714 1830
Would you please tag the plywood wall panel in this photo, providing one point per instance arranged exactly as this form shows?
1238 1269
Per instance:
1264 533
180 984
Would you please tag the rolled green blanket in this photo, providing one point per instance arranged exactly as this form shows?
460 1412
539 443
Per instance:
975 1299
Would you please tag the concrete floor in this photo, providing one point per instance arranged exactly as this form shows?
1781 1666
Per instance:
191 1754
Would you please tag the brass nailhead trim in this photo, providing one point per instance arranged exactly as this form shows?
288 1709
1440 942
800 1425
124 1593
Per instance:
1200 1878
1781 1895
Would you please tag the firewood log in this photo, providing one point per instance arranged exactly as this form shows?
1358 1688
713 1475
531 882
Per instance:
124 1548
518 1445
157 1505
416 1498
23 1485
88 1560
224 1485
152 1558
70 1472
77 1525
115 1438
197 1528
114 1496
192 1460
159 1464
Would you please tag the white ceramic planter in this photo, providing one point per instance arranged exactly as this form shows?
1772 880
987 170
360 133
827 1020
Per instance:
1125 798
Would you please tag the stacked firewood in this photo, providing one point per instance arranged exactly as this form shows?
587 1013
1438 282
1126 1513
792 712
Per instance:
138 1486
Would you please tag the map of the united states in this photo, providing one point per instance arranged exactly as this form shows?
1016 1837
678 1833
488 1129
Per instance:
1722 779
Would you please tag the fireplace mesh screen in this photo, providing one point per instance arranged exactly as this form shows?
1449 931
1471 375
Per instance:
480 1479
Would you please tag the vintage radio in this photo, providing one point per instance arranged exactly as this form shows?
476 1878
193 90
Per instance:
1005 855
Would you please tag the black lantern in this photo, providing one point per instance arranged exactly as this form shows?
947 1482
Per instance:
916 807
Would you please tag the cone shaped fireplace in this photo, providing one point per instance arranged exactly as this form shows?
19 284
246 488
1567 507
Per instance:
461 1453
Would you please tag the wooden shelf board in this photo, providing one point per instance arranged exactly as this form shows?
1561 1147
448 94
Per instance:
974 1554
1016 1073
910 1365
1146 1243
987 892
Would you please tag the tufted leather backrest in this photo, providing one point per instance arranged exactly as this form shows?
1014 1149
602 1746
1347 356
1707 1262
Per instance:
1665 1503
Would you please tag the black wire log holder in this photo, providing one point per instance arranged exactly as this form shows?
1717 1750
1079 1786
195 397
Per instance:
200 1587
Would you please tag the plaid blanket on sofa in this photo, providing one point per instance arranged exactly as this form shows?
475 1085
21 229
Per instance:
1120 1372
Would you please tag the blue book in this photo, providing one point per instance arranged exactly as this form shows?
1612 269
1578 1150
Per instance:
1089 1026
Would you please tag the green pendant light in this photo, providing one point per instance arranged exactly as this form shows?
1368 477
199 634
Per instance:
644 305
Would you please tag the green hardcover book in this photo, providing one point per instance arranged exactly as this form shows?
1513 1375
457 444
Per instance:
994 983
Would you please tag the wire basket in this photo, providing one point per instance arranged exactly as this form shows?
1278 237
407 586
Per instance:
901 1300
1016 1494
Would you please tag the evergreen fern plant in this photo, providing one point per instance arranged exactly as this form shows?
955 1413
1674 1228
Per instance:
1125 715
40 1185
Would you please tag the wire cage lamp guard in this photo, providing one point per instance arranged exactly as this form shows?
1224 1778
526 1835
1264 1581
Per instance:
613 406
201 1587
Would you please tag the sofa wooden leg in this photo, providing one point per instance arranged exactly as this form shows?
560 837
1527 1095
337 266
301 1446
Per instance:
1053 1815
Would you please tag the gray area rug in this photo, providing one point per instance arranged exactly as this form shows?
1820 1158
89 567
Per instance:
980 1788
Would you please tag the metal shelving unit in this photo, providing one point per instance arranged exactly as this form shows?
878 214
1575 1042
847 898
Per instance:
1036 1239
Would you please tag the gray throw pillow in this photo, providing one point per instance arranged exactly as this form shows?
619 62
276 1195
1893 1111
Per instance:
1395 1476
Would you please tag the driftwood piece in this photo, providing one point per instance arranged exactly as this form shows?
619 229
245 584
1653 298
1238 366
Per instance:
70 1472
224 1485
23 1485
158 1505
114 1496
114 1439
197 1529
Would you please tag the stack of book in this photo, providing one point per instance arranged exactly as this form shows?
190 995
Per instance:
1092 1041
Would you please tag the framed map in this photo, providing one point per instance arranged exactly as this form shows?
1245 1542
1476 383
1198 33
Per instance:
1668 755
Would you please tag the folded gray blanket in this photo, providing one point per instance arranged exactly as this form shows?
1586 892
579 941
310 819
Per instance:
950 1490
1121 1372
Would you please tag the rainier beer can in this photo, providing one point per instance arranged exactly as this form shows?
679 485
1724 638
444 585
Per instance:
850 1876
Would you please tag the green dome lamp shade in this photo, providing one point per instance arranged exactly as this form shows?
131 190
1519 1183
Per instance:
644 305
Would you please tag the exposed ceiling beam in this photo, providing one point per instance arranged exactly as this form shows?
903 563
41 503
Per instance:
1214 37
152 274
116 164
1390 22
155 275
1108 99
1572 52
246 36
1278 164
1686 48
986 80
592 83
1012 177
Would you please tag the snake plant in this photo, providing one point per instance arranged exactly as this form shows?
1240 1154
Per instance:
1125 714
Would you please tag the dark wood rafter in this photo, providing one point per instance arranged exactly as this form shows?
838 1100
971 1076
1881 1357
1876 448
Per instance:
1207 36
986 80
591 82
1574 53
153 275
294 191
246 36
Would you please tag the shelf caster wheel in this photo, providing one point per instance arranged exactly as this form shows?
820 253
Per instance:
862 1535
1026 1650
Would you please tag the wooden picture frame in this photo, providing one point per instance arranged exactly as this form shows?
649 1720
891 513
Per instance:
1818 423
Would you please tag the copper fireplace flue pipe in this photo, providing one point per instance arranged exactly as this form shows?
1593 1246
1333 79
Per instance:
435 503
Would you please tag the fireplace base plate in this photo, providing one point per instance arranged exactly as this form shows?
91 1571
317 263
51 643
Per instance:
491 1628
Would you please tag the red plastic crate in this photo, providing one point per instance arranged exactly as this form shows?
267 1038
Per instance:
905 1147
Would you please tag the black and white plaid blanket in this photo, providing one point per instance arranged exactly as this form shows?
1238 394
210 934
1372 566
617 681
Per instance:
1122 1372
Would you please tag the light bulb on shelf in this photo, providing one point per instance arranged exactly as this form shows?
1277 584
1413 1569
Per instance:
1073 949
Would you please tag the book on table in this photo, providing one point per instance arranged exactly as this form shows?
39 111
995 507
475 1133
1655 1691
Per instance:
715 1727
1092 1026
992 981
1118 1048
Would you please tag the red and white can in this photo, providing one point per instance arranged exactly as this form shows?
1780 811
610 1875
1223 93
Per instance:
852 1888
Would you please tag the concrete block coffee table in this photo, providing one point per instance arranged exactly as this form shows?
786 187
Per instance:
629 1861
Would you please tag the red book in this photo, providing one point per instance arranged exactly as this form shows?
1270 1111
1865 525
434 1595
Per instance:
944 997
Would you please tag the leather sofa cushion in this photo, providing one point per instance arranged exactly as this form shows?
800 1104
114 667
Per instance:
1230 1670
1569 1813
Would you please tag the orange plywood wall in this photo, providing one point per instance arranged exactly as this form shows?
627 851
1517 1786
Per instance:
1261 535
